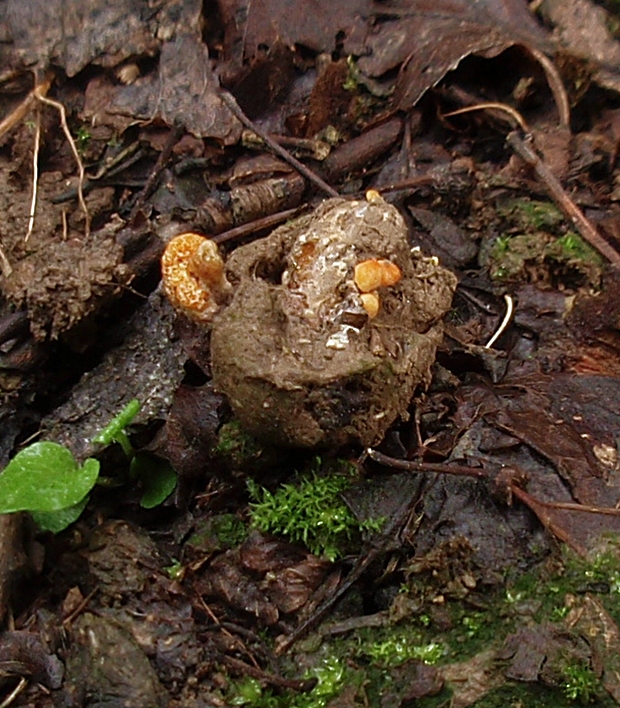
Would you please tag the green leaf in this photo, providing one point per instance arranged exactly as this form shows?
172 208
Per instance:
114 430
157 477
57 521
45 477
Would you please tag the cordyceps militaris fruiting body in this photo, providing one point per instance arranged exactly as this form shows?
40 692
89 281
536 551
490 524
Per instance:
331 324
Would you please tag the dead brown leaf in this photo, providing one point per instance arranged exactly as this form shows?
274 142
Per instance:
184 91
429 39
411 681
315 25
74 33
472 679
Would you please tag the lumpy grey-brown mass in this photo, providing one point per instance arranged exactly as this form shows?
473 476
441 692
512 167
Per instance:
300 360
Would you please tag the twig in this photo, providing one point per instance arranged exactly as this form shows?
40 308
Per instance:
502 107
265 222
555 84
13 119
415 466
63 121
80 607
125 159
301 685
230 101
515 489
65 225
210 612
529 500
19 113
14 693
412 183
35 174
248 635
524 149
504 324
317 149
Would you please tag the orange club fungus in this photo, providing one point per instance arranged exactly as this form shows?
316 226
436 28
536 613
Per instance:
193 276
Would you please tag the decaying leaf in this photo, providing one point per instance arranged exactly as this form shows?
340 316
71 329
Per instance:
472 679
183 92
73 33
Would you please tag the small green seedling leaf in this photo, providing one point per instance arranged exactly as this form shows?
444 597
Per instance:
115 429
57 521
45 477
157 477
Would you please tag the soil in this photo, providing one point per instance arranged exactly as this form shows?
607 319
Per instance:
298 358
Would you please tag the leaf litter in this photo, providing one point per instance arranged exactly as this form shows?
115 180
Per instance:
462 516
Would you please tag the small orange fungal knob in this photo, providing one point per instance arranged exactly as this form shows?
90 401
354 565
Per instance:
375 273
193 276
372 195
371 303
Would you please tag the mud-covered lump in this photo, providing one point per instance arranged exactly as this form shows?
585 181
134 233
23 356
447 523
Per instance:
310 350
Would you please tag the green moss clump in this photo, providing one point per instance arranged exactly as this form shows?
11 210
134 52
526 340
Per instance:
532 215
580 683
217 533
236 445
310 511
535 247
400 646
536 256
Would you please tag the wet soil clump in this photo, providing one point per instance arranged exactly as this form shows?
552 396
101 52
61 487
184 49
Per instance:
301 360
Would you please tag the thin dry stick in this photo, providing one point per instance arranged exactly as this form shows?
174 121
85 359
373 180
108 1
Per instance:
65 226
492 106
266 222
63 121
505 322
415 466
412 183
378 546
525 151
18 115
565 506
230 101
8 123
555 84
14 693
302 685
35 174
80 607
